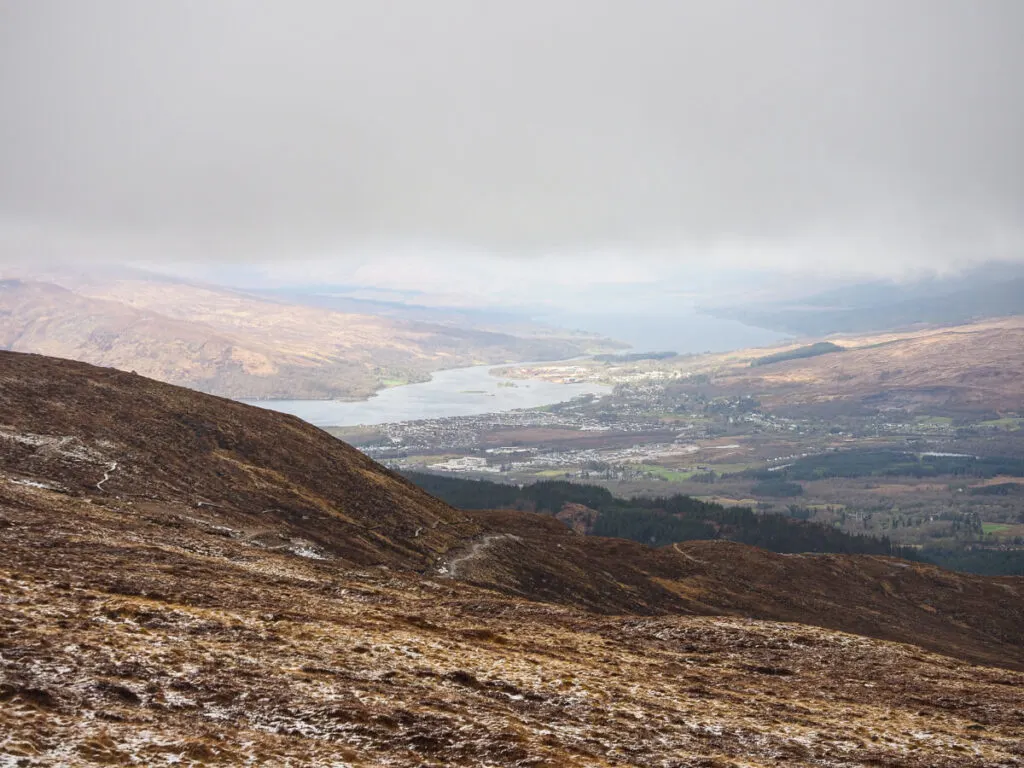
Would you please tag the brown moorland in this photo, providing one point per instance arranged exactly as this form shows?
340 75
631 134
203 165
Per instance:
977 366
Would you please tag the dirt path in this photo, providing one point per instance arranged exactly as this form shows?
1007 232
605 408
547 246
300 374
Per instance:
476 550
687 555
106 475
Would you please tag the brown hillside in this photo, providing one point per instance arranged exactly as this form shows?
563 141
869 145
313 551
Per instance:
130 636
272 475
239 345
978 366
51 320
974 617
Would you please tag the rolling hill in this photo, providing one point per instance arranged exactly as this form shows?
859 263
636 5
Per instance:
970 368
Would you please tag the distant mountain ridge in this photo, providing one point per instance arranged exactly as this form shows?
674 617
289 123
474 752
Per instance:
878 306
240 345
970 368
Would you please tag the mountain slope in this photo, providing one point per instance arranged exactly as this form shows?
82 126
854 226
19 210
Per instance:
979 618
185 579
48 319
240 345
974 367
116 649
71 425
123 641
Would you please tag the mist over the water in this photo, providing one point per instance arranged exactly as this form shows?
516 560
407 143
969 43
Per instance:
685 331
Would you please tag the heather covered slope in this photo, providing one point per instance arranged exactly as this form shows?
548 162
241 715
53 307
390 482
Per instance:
131 638
74 426
972 617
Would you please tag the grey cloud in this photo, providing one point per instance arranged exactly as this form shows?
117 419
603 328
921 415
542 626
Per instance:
285 129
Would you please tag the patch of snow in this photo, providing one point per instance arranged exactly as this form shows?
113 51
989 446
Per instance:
307 551
33 484
68 446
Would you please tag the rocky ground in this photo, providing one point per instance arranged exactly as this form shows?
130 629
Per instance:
118 649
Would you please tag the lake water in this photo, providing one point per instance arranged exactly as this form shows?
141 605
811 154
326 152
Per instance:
455 392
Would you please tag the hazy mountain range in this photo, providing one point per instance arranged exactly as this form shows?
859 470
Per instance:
992 291
241 344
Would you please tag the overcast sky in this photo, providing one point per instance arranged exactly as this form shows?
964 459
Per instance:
417 143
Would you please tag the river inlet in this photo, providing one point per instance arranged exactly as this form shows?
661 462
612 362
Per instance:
455 392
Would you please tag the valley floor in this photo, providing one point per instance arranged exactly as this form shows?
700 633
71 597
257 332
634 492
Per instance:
915 436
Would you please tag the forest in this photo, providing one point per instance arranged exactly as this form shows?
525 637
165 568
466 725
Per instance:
658 521
811 350
890 463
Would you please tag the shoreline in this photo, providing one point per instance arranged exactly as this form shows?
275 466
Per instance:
466 391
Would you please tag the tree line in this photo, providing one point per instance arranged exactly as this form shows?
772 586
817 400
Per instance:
658 521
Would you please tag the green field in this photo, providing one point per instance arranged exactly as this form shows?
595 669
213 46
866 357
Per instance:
672 475
995 527
550 473
431 458
724 469
1010 423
